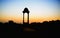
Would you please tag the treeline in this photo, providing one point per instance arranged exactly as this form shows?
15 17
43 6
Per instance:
36 27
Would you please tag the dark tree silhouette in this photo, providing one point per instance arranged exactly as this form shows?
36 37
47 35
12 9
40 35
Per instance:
51 25
43 29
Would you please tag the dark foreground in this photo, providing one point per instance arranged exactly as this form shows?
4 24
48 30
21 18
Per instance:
42 29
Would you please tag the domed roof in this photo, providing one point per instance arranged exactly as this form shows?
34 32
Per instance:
25 10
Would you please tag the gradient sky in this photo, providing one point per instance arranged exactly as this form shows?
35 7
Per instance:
40 10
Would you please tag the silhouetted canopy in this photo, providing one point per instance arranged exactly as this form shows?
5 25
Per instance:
26 10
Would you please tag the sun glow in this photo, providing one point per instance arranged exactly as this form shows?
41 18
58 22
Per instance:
40 10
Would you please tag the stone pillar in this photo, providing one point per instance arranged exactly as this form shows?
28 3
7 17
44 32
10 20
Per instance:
23 18
28 18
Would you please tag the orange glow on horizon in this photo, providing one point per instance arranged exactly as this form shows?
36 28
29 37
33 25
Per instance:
40 10
32 19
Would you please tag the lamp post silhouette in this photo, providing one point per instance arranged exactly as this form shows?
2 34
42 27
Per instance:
26 11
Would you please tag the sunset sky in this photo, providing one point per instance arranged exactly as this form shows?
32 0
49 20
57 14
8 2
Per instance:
40 10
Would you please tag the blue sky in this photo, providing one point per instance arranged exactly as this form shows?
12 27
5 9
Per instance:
38 8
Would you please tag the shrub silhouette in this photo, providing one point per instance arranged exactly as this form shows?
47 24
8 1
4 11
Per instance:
43 28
